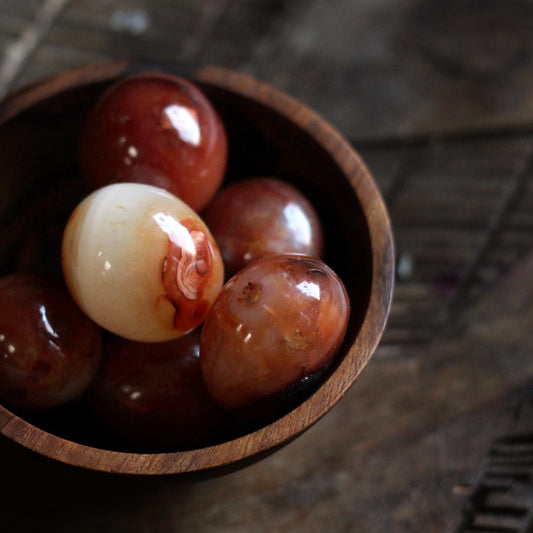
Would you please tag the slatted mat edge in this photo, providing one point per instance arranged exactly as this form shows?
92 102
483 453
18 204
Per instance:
502 498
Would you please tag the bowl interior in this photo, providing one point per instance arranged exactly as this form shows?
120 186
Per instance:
40 186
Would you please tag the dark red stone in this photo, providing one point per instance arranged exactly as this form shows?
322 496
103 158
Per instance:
49 350
157 129
152 395
262 216
278 320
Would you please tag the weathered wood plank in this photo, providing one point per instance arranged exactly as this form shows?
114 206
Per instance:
18 52
388 68
410 435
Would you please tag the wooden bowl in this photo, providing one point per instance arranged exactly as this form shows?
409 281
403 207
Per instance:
269 134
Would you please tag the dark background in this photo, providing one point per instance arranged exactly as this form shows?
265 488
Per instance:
438 98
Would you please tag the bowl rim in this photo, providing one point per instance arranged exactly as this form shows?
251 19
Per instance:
281 431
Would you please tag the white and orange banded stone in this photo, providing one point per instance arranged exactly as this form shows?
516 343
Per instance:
140 262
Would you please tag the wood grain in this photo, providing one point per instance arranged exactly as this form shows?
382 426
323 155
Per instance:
372 69
443 92
260 122
460 208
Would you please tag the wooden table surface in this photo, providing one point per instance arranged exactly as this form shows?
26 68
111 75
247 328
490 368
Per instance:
438 98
